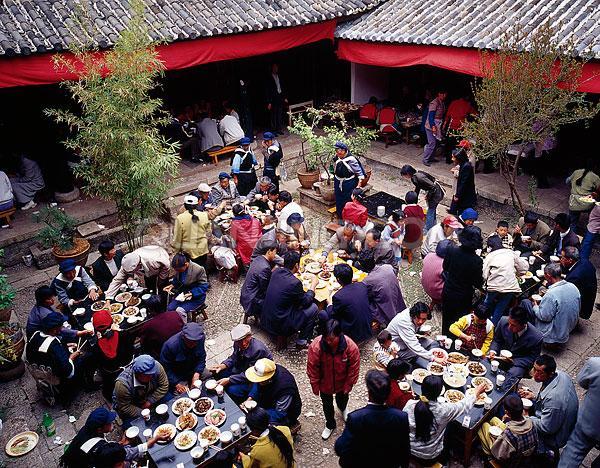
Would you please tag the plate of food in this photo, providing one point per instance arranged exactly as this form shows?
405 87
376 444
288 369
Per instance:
479 401
455 380
164 430
185 440
476 381
587 199
182 405
454 396
116 308
215 417
476 369
210 434
123 297
458 369
99 305
457 358
439 353
313 268
134 301
527 275
186 421
321 284
130 311
324 275
203 405
117 318
435 369
419 374
22 443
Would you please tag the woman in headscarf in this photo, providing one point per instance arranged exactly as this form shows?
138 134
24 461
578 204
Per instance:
348 174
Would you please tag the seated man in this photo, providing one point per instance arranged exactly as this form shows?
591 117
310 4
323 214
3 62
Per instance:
296 222
271 236
378 426
350 305
287 308
382 250
6 196
438 233
45 348
259 195
208 132
230 130
27 182
184 357
557 313
246 351
523 340
73 285
582 274
555 406
530 233
256 282
190 280
286 207
518 439
276 391
561 236
159 327
385 295
107 265
475 329
346 238
404 328
141 385
225 191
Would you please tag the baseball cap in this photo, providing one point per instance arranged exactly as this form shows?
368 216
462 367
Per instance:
452 222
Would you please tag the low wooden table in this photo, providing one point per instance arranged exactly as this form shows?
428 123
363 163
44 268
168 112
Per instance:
390 202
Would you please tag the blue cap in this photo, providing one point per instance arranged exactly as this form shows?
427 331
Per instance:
145 364
52 320
245 141
341 145
99 417
224 175
192 331
268 136
469 213
295 218
67 265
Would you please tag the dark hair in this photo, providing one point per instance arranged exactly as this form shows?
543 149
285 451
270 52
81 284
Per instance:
424 419
270 245
589 165
190 209
418 308
397 367
42 293
273 191
105 246
332 328
237 209
547 362
375 233
407 169
290 259
179 259
482 311
359 194
530 217
383 336
285 196
154 304
502 223
258 421
343 273
562 219
461 156
411 197
513 405
397 216
519 314
470 238
378 385
494 242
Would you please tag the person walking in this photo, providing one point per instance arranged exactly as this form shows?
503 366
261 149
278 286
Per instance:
433 126
332 367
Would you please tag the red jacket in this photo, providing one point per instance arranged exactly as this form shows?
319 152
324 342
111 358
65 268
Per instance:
245 231
333 373
355 213
397 398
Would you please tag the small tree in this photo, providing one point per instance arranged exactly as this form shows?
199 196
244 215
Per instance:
319 150
124 157
524 97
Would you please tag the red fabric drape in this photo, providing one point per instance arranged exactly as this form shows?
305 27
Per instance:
38 69
457 59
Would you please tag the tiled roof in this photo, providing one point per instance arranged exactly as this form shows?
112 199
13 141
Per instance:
475 23
29 26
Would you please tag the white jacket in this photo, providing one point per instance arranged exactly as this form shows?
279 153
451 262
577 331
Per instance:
500 270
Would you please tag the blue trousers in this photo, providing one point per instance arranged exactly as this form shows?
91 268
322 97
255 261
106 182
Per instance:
429 147
498 303
237 391
430 217
578 446
188 306
588 243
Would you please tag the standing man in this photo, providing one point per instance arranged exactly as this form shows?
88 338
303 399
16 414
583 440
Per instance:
348 174
434 193
256 282
433 126
332 367
275 100
384 292
273 154
242 167
582 274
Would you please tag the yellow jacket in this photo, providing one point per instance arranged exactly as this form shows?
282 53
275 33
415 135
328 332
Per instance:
190 237
265 454
462 323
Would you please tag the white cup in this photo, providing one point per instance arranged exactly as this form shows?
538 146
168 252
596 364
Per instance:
487 404
198 384
554 258
146 414
495 365
500 380
242 422
441 338
132 432
203 443
448 343
531 260
349 262
235 430
194 393
381 211
147 433
219 389
457 344
527 403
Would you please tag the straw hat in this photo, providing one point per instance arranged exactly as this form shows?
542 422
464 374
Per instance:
263 370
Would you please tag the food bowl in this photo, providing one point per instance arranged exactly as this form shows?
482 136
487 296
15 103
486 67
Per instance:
162 409
425 328
132 432
145 297
194 393
495 431
477 353
536 297
505 353
211 385
527 403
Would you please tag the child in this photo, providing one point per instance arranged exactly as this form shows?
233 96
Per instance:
502 232
394 233
384 350
475 329
414 220
397 370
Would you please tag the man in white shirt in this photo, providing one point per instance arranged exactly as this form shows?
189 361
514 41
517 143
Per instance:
230 130
286 207
439 232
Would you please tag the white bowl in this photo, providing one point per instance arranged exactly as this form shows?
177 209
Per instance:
425 328
505 353
162 409
477 352
226 437
132 432
131 319
495 431
554 258
527 403
210 384
194 393
79 311
536 297
145 297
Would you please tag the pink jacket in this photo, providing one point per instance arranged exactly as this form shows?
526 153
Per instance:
431 277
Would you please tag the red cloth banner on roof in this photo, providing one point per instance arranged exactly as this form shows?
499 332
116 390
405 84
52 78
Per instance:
38 69
457 59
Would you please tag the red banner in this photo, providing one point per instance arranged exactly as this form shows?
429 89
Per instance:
457 59
38 69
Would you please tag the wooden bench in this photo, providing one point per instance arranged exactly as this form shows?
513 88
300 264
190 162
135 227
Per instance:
214 155
295 109
6 214
332 214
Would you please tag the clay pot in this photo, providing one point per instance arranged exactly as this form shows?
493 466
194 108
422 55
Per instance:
308 178
327 191
79 252
15 369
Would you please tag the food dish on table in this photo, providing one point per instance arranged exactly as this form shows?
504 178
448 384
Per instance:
182 405
419 374
130 311
123 297
215 417
458 369
185 440
210 434
22 443
133 302
457 358
321 284
454 396
476 381
186 421
479 401
117 318
203 405
455 380
324 275
439 353
476 369
116 308
435 368
99 305
313 268
165 429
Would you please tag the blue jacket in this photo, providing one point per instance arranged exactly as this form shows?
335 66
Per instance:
525 349
34 323
557 314
583 275
351 307
255 286
376 436
240 360
180 362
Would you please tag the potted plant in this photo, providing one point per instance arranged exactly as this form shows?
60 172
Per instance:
60 233
12 344
7 295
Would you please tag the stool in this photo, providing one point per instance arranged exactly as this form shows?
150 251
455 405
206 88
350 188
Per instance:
201 309
332 227
6 214
295 428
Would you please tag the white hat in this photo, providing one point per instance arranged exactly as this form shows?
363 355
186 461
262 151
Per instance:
190 200
240 331
130 262
203 187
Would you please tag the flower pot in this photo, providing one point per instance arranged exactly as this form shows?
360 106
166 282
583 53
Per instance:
79 252
5 314
13 369
308 178
327 192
